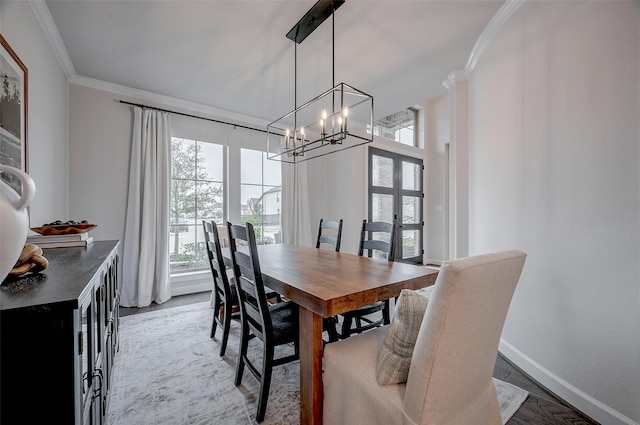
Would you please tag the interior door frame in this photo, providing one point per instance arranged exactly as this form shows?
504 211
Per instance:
397 192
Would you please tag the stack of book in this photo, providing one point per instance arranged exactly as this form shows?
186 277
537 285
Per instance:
59 241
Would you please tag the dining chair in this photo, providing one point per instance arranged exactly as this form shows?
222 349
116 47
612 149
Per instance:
273 324
330 233
377 238
449 377
225 295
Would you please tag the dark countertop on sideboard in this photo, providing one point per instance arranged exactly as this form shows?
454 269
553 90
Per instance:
62 282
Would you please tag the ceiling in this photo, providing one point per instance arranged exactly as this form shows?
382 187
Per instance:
234 55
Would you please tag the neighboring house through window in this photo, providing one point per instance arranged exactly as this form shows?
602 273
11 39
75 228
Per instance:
261 195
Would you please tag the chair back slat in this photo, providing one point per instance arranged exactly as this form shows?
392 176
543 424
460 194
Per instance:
245 263
379 245
330 239
213 261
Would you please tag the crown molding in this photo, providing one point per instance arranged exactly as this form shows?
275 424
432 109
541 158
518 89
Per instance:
159 100
45 19
455 76
504 13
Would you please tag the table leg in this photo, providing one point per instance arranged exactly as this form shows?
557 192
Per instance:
310 367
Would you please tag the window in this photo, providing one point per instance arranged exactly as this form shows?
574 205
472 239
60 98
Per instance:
400 127
261 195
230 179
197 193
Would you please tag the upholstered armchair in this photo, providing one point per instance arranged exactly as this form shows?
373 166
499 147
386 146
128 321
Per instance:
449 379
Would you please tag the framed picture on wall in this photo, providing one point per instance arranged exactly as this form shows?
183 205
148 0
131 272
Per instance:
13 112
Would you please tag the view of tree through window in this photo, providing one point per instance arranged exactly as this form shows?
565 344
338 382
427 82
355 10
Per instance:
197 182
261 195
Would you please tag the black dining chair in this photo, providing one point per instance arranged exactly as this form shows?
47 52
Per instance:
375 237
225 296
330 233
272 324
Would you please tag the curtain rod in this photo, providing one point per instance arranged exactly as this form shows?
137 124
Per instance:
192 116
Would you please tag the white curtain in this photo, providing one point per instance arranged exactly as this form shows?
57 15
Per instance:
145 262
296 221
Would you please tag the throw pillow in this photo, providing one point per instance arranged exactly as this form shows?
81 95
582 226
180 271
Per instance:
394 356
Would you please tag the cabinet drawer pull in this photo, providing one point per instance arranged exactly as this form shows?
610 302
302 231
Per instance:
97 391
85 380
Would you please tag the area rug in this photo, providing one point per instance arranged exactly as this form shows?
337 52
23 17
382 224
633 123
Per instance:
168 371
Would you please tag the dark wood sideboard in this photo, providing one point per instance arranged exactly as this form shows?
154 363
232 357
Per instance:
59 338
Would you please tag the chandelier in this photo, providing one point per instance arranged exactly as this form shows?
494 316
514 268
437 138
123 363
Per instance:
338 119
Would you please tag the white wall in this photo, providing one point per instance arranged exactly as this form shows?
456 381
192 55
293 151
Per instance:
47 133
100 138
337 185
436 112
554 171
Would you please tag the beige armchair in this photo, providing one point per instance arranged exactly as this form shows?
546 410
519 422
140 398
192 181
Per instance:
450 375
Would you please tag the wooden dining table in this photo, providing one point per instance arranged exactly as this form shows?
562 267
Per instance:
325 283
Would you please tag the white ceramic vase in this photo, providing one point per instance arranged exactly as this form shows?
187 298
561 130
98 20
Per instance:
14 223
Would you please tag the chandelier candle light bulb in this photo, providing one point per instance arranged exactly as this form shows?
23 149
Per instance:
287 136
323 123
298 142
345 112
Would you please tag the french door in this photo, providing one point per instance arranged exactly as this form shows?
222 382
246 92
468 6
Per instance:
395 191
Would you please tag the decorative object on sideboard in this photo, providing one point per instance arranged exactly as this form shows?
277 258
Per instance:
68 228
59 227
14 226
31 260
60 234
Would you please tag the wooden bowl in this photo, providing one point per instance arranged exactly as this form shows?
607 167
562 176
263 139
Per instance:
64 229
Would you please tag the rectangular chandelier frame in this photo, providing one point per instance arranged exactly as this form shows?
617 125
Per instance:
338 119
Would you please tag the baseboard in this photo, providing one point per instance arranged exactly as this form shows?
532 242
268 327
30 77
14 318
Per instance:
588 405
191 283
